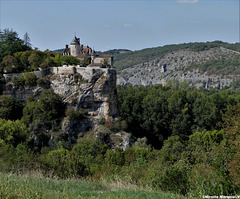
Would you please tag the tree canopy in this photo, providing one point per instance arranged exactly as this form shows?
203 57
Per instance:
10 43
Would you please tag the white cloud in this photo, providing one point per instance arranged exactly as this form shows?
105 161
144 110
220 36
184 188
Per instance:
126 25
188 1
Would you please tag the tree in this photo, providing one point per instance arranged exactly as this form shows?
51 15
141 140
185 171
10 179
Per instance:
35 59
48 108
232 128
27 40
10 43
69 60
10 108
8 65
30 79
13 132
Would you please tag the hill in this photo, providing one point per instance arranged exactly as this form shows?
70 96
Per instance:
58 50
210 65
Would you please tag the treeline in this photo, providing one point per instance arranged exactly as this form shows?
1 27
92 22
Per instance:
10 43
126 60
16 57
157 112
34 60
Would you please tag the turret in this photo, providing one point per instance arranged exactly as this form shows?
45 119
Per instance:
75 46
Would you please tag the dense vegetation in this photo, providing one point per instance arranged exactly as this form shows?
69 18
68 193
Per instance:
16 57
187 141
222 66
10 43
175 109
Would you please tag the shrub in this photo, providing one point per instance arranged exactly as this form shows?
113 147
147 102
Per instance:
43 82
63 163
13 132
10 108
115 157
30 79
75 115
91 152
173 178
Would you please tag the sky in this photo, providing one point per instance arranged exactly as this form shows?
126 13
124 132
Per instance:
121 24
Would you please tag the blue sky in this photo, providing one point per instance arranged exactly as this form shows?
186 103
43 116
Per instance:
132 24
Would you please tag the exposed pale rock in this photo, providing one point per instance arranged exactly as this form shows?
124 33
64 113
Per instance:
95 92
177 64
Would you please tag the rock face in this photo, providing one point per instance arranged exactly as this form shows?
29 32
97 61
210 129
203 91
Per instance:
91 89
24 93
94 91
177 65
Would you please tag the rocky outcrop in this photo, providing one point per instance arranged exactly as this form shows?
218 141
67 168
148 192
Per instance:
22 93
95 93
91 90
120 139
178 66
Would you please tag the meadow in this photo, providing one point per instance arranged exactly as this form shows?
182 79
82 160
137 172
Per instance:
13 186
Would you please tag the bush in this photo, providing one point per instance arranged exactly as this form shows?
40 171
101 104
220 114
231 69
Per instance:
63 163
75 115
13 132
173 178
91 152
10 108
43 82
114 157
30 79
19 82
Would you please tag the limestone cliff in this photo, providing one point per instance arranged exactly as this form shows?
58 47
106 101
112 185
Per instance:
92 90
212 68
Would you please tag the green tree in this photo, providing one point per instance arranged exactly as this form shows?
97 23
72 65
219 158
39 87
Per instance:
91 152
10 108
9 64
24 59
232 128
35 59
13 132
47 109
30 79
69 60
10 43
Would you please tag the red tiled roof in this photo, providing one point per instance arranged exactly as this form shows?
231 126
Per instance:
86 50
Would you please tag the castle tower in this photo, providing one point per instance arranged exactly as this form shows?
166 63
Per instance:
75 46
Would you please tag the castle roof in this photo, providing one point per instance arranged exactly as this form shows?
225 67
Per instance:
86 50
75 41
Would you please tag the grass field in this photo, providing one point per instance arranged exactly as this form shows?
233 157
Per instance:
12 186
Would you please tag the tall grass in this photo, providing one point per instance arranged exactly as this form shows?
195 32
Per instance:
12 186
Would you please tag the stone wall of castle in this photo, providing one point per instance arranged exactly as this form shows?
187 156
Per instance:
38 73
84 71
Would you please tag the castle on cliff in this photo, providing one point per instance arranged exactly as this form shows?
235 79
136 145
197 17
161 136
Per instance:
82 52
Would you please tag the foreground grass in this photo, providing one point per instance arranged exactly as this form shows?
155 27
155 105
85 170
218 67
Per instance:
12 186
